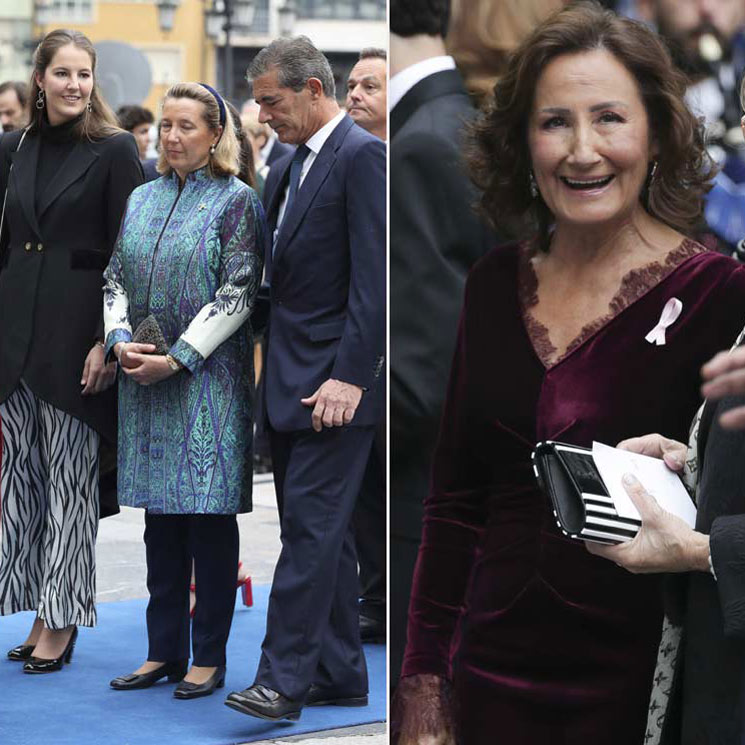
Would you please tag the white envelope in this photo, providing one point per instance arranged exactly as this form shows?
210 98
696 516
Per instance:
658 480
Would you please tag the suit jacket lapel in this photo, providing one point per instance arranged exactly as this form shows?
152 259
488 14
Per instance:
24 175
444 83
312 183
80 159
272 213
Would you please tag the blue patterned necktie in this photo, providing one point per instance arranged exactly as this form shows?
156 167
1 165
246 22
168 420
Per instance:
296 168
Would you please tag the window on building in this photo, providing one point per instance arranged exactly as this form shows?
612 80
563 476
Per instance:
70 11
342 9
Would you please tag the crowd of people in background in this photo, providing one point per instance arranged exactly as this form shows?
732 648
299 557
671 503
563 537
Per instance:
256 191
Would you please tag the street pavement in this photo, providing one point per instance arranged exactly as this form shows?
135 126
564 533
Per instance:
120 557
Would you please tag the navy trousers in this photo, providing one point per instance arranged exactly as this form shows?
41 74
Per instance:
312 631
171 543
370 529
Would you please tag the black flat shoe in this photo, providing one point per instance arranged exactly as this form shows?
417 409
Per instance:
21 653
264 703
322 697
38 665
174 671
186 690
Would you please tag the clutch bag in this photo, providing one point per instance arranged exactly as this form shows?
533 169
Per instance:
149 332
581 504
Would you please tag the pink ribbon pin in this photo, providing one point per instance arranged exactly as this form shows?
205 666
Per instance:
671 311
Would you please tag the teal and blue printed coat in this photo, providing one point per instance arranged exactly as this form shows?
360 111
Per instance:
192 257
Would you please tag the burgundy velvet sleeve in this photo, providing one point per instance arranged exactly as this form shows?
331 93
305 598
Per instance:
454 514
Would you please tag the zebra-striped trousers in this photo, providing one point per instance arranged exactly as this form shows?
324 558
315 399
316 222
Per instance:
49 516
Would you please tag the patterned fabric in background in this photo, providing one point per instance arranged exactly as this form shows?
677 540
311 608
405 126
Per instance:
192 257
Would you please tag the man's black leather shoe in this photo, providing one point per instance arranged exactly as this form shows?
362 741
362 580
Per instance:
174 671
264 703
321 697
186 690
372 631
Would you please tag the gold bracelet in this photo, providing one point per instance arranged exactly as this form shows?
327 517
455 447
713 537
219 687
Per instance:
173 363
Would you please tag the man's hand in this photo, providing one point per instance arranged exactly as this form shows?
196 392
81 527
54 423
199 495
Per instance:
334 404
147 369
97 376
724 375
665 543
656 446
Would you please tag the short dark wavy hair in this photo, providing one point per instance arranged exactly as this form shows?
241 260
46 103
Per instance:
414 17
498 152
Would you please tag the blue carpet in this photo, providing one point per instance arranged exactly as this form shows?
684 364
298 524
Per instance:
77 707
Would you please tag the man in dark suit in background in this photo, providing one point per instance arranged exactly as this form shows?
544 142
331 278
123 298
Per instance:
322 379
13 99
274 150
435 238
367 104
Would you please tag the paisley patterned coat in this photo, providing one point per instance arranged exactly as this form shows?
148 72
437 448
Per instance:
192 257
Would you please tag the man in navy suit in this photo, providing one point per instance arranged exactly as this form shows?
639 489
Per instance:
323 377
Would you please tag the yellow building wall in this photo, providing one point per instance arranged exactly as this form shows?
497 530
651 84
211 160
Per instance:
137 24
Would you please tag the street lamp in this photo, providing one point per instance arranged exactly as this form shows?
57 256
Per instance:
287 18
167 14
227 16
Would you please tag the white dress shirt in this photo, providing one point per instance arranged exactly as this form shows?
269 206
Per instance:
314 143
401 83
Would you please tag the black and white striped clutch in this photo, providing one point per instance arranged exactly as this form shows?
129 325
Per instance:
581 504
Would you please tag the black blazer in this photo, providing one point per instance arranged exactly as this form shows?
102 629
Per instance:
51 265
435 238
707 704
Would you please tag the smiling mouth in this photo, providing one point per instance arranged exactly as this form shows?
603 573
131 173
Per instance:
71 99
587 184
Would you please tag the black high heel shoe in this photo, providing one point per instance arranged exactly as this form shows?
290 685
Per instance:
174 671
186 690
37 665
21 653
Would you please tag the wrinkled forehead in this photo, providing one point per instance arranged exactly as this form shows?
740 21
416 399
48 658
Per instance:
370 67
184 109
583 79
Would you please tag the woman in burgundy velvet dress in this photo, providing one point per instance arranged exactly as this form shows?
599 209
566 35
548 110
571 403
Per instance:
517 634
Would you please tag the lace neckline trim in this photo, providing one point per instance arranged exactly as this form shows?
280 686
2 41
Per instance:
634 284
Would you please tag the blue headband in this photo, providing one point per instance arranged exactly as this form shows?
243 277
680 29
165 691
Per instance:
220 102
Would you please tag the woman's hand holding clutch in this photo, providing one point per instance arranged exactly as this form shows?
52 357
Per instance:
423 711
665 543
123 350
97 376
146 369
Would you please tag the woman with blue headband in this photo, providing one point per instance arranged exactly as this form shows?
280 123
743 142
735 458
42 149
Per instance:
179 289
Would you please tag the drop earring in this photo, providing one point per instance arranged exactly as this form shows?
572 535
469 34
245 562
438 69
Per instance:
40 99
653 172
212 149
533 186
89 106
